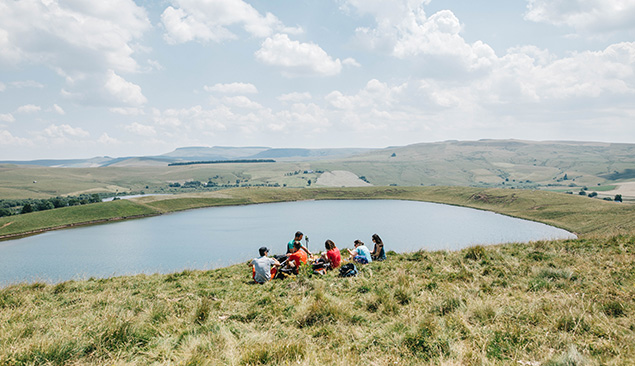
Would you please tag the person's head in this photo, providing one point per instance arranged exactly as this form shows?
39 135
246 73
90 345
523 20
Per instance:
329 245
298 235
263 251
297 245
358 242
377 239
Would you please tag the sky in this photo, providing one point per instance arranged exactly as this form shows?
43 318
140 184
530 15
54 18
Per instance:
81 78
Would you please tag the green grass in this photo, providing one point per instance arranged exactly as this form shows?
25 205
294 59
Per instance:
581 215
70 216
549 302
470 307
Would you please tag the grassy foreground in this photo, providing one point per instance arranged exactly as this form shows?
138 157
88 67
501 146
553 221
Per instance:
545 303
582 215
552 303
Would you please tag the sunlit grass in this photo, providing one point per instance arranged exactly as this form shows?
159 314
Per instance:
549 302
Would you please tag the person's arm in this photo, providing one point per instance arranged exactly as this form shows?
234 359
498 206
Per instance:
306 250
275 262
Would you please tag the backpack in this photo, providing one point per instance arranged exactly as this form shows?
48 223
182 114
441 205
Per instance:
348 270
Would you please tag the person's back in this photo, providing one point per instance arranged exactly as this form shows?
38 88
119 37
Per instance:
262 266
334 257
363 251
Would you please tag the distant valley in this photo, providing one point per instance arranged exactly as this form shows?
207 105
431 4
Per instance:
573 167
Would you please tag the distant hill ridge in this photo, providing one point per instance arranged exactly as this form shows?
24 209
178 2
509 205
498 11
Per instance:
477 158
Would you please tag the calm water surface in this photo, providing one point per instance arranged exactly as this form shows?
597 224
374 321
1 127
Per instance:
220 236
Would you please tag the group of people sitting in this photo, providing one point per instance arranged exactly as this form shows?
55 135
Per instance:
264 268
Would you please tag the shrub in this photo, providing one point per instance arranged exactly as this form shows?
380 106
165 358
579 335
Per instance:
202 311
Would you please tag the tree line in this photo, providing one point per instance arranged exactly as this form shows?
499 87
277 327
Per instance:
224 162
10 207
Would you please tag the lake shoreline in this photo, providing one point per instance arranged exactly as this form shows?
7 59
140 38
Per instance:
513 203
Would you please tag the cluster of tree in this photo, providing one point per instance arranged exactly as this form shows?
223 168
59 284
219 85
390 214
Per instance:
304 172
211 184
21 206
224 162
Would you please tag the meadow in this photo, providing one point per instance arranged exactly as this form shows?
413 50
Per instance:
580 215
545 303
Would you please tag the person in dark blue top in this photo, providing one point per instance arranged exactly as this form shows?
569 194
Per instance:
378 253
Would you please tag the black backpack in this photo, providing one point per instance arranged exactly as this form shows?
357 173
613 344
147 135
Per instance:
348 270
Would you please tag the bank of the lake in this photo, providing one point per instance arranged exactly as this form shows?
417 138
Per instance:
584 216
545 303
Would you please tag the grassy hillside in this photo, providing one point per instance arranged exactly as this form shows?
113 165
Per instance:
564 166
546 303
494 163
581 215
553 303
70 216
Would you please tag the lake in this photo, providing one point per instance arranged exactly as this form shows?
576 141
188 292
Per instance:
220 236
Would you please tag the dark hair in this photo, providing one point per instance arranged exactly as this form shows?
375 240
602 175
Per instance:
263 251
377 239
297 244
357 241
298 234
329 244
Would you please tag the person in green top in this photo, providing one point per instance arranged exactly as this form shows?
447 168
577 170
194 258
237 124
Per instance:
297 238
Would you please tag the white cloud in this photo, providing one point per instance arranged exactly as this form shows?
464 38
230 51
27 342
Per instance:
127 111
9 140
64 131
142 130
124 91
586 15
58 109
107 140
376 94
297 58
27 84
351 62
58 34
28 108
232 88
209 20
295 97
2 87
7 117
241 102
404 30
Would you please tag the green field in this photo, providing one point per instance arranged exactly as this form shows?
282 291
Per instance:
568 302
581 215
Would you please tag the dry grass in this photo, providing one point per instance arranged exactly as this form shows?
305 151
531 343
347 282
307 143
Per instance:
550 302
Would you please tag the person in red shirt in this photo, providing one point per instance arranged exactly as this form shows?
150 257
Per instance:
332 255
330 259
